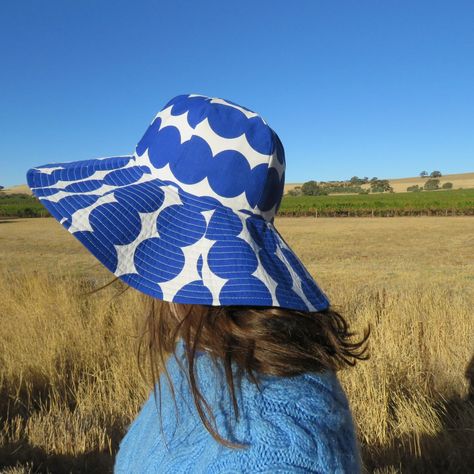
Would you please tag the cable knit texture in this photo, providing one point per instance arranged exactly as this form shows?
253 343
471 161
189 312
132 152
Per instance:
300 424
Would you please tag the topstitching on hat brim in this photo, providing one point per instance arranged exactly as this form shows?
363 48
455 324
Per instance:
171 244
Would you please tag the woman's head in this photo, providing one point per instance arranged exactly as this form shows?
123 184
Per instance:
258 340
188 220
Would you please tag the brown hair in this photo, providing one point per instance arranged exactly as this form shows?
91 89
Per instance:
267 340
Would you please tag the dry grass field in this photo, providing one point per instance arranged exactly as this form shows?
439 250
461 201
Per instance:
19 188
69 384
459 180
399 185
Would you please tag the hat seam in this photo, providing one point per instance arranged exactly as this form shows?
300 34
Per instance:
189 196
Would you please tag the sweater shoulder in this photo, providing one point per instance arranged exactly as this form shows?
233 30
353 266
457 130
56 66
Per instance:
305 422
322 383
309 395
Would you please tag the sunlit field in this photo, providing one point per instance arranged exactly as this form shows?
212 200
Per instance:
69 383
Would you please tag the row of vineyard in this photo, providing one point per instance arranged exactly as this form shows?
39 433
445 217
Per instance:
443 203
438 203
21 205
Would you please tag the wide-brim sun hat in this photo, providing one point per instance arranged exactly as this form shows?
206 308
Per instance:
189 216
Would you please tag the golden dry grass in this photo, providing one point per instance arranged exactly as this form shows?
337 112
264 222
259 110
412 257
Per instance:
19 188
459 180
69 384
399 185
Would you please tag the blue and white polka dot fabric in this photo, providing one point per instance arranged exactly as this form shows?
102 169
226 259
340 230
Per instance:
189 216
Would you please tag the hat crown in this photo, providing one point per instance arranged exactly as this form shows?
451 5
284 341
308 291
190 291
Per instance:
216 148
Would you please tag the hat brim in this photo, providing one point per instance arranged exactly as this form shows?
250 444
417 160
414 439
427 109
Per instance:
171 244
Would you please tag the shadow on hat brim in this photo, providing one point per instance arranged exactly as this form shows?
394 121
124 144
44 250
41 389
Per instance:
170 244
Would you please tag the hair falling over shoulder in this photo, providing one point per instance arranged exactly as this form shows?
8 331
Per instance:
259 340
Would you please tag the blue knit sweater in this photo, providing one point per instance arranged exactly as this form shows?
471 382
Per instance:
300 424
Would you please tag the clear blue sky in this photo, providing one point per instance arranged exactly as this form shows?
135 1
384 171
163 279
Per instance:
367 88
